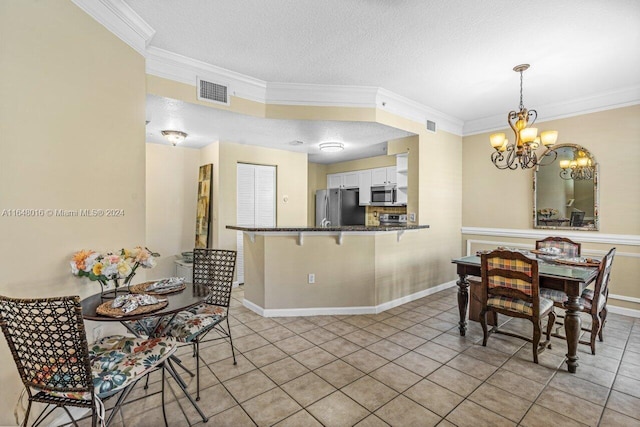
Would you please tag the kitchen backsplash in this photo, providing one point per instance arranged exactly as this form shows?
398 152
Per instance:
373 213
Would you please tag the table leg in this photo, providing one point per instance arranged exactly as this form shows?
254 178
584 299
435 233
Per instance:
463 302
572 328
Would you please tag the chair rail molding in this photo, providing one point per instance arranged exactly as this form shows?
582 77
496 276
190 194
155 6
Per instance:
579 236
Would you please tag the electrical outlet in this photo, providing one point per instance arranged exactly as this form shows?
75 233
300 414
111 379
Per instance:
312 278
412 217
97 333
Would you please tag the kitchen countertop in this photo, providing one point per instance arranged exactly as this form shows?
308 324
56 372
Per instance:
349 228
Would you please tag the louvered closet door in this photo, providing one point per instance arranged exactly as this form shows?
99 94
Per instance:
256 203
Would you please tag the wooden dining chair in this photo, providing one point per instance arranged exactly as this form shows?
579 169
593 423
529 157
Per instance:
47 339
596 305
570 249
510 286
213 268
566 246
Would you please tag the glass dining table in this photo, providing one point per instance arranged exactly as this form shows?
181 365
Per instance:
570 279
191 296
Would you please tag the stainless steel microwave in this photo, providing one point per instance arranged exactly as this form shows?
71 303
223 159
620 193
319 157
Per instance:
384 195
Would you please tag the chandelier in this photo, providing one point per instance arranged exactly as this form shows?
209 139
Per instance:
523 151
580 168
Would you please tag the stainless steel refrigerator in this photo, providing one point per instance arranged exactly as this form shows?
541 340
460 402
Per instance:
337 207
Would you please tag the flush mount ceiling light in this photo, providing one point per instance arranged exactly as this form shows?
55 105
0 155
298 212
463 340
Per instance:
523 151
331 147
175 137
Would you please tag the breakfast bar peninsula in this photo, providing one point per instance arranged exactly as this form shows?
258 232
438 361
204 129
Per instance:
304 271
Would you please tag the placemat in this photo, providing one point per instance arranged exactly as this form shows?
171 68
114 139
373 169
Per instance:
141 288
587 263
105 309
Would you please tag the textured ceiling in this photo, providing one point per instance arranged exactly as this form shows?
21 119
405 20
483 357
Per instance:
206 125
455 56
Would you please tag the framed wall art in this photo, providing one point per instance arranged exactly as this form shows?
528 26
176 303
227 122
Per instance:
203 212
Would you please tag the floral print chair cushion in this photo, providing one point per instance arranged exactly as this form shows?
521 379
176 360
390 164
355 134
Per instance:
116 361
209 309
187 326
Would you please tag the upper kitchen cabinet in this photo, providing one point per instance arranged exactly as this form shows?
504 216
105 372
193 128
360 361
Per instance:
383 176
343 180
402 177
365 187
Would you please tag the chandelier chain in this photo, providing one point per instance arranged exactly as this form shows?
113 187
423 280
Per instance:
521 103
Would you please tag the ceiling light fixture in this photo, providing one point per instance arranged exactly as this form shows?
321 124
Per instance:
331 147
523 151
175 137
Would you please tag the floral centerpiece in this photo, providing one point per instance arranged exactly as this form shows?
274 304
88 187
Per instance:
547 212
112 266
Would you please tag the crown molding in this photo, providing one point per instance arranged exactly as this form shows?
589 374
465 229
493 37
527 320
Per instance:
592 104
173 66
321 95
117 17
578 236
412 110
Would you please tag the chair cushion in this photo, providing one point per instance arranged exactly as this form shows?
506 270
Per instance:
589 303
210 309
554 295
518 305
186 326
116 361
588 294
119 360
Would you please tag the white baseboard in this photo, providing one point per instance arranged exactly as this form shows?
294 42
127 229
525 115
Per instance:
325 311
623 311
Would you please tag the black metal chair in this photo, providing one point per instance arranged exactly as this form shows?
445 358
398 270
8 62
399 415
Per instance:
46 337
213 268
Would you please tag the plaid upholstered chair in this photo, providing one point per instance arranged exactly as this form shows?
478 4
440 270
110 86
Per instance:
567 246
213 268
570 249
48 343
510 286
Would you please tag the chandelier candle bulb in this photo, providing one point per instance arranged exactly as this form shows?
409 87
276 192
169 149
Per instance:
564 163
583 161
549 137
497 140
528 135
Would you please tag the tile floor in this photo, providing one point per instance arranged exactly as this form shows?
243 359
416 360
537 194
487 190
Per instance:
407 366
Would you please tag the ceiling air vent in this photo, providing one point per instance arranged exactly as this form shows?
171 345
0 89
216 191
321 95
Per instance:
212 92
431 126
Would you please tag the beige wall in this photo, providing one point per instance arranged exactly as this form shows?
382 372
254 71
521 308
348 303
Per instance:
72 112
612 137
361 164
291 181
317 180
172 179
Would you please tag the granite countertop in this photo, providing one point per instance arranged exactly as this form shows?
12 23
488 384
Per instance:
349 228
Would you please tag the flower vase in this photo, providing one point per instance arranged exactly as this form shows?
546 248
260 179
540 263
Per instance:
117 287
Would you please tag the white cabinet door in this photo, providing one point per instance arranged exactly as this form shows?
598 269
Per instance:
364 184
335 180
351 180
378 177
391 175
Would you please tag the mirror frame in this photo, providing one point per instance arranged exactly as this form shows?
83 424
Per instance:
596 200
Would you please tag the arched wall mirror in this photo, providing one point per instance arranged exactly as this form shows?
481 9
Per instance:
565 189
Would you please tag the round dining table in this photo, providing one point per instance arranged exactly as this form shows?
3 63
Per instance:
191 296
